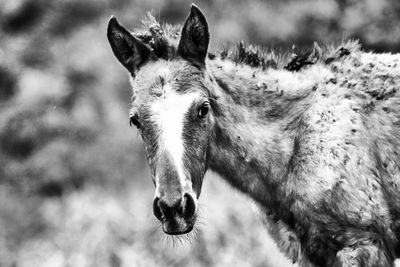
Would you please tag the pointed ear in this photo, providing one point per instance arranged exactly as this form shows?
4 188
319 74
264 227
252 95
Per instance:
195 37
129 50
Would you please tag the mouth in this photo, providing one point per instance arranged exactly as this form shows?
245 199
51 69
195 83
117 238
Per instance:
177 232
177 226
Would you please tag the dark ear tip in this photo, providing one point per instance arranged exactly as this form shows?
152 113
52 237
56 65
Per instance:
194 6
112 22
195 10
113 27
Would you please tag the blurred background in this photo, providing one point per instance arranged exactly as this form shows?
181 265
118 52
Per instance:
75 189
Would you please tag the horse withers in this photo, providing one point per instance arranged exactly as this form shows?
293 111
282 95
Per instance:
315 142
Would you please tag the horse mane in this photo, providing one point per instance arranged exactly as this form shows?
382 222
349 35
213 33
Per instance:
163 40
259 57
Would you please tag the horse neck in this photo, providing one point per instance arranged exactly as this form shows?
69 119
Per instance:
256 119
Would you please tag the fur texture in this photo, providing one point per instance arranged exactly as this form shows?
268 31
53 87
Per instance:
313 139
323 143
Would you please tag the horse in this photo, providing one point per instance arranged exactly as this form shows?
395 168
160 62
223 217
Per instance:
314 139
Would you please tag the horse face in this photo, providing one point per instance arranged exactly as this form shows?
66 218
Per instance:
171 111
173 117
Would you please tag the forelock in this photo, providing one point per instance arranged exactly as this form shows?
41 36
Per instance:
163 39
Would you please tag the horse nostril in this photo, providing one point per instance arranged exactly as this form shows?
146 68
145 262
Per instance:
190 206
168 210
156 208
185 207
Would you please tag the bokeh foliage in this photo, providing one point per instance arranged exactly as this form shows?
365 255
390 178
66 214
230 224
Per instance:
74 184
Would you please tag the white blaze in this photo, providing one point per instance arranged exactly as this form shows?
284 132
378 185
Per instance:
168 114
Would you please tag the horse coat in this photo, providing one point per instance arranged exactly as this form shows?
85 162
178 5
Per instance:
315 141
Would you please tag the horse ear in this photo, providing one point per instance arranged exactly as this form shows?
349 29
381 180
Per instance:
128 49
195 37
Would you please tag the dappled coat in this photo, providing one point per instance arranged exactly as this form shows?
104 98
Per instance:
315 142
334 197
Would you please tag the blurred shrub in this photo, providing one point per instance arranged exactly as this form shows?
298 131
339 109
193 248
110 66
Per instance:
36 55
8 83
21 134
21 15
20 220
72 14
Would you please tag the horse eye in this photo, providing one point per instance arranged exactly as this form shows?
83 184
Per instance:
134 121
203 111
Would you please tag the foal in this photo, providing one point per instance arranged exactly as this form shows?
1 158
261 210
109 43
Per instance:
315 143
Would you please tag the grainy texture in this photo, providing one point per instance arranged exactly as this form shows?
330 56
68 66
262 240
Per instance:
317 149
75 187
313 141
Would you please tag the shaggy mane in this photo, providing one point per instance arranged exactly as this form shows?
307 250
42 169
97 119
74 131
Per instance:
258 57
163 40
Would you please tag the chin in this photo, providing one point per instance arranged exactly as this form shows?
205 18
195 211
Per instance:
178 232
178 226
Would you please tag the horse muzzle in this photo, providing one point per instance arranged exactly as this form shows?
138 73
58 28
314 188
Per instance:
177 216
